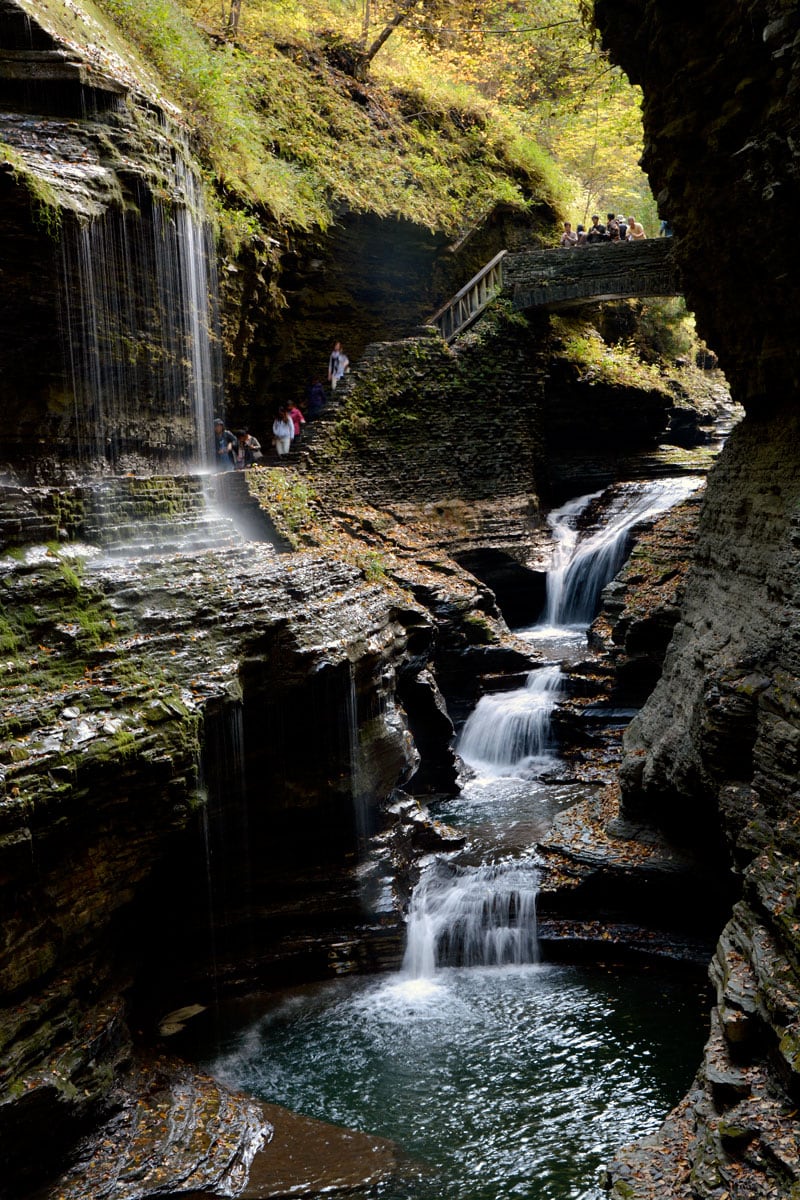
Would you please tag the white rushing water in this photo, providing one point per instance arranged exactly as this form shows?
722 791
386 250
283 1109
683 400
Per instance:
482 917
509 732
583 564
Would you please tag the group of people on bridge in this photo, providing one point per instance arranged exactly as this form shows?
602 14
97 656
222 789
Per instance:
615 229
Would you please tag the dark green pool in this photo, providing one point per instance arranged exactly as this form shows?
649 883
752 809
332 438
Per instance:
499 1083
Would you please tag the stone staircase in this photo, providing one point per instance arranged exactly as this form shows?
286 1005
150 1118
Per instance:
137 514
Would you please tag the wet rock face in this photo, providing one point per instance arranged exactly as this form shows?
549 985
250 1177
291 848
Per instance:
641 606
194 739
720 86
104 240
713 756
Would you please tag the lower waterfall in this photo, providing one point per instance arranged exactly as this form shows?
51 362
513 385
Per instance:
498 1074
483 917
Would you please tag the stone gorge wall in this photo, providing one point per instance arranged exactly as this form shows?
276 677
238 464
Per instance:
157 775
720 115
714 753
501 415
99 207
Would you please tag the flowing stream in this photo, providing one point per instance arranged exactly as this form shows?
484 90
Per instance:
498 1075
583 565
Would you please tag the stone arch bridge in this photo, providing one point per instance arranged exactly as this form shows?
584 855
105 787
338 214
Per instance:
552 280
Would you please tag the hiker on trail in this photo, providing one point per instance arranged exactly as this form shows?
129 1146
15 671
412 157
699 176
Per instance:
282 431
337 365
316 399
225 446
248 450
569 237
297 419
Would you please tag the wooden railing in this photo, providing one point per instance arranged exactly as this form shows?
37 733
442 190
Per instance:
467 304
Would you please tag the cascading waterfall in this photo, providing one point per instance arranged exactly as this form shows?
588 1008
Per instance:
509 732
487 915
483 917
582 566
139 322
437 1057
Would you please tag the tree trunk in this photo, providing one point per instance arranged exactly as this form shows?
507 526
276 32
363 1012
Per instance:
354 57
397 19
233 17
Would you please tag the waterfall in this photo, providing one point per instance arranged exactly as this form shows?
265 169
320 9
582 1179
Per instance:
509 732
483 917
139 324
582 566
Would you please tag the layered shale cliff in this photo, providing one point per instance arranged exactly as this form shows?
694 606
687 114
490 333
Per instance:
195 748
713 757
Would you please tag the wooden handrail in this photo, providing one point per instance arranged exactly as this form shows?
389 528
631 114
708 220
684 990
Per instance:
467 312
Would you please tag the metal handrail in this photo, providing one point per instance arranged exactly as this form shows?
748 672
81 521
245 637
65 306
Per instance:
471 300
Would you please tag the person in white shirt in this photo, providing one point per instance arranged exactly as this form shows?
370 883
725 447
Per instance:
283 431
337 365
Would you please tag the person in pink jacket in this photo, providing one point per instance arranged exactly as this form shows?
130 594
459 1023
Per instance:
297 419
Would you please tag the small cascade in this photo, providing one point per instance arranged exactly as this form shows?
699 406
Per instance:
582 566
139 323
509 732
483 917
137 516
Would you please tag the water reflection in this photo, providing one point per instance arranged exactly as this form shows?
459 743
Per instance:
513 1082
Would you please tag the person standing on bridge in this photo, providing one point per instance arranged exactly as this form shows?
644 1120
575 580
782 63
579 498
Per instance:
636 231
596 233
569 237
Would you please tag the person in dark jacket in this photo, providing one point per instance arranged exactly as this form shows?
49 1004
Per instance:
248 450
316 400
225 446
596 233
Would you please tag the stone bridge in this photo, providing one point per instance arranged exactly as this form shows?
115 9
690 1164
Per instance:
555 279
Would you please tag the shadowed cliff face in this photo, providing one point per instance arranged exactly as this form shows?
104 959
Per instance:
714 755
121 787
721 85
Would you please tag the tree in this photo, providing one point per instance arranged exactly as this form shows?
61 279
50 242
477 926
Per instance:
355 57
232 23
